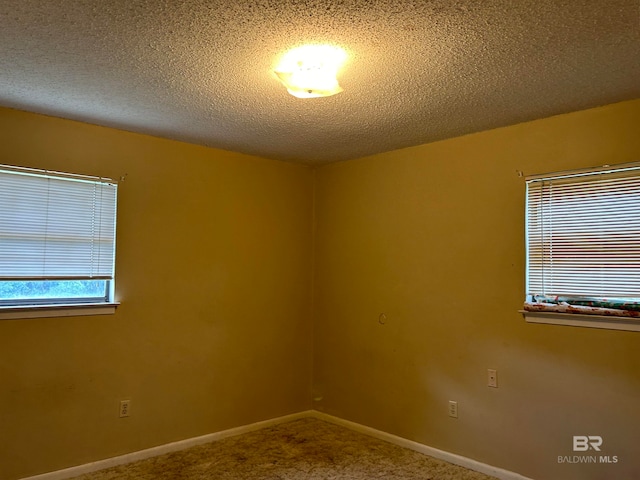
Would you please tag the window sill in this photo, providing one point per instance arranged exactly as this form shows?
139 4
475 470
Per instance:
71 310
577 320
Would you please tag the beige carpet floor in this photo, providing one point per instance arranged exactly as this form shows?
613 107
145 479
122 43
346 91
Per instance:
305 449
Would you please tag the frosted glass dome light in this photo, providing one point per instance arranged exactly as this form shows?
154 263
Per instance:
311 70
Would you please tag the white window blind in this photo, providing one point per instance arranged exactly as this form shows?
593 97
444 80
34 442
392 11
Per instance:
583 233
56 226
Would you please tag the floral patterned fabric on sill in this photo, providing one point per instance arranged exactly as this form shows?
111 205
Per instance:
614 303
598 308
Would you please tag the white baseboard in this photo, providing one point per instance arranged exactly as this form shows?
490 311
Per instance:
191 442
162 449
420 448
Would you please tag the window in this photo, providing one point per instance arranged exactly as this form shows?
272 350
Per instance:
57 238
583 243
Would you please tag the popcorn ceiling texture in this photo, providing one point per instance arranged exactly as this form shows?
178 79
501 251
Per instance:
201 71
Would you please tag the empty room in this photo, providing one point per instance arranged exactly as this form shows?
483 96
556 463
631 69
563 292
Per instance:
319 240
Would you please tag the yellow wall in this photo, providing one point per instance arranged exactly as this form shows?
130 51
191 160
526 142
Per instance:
214 275
220 334
433 236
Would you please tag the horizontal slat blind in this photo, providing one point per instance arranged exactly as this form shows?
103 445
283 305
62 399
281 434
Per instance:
583 234
55 227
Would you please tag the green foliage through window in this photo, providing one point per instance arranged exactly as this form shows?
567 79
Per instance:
27 291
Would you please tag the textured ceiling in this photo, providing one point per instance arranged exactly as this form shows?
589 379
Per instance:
418 71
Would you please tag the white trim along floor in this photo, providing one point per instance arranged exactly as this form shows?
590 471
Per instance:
190 442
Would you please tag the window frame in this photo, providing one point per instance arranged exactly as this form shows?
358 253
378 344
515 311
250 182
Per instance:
573 317
53 306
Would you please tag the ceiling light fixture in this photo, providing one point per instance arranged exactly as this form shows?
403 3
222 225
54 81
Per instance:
310 70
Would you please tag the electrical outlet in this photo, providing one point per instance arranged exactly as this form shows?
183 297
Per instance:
492 378
453 409
124 408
